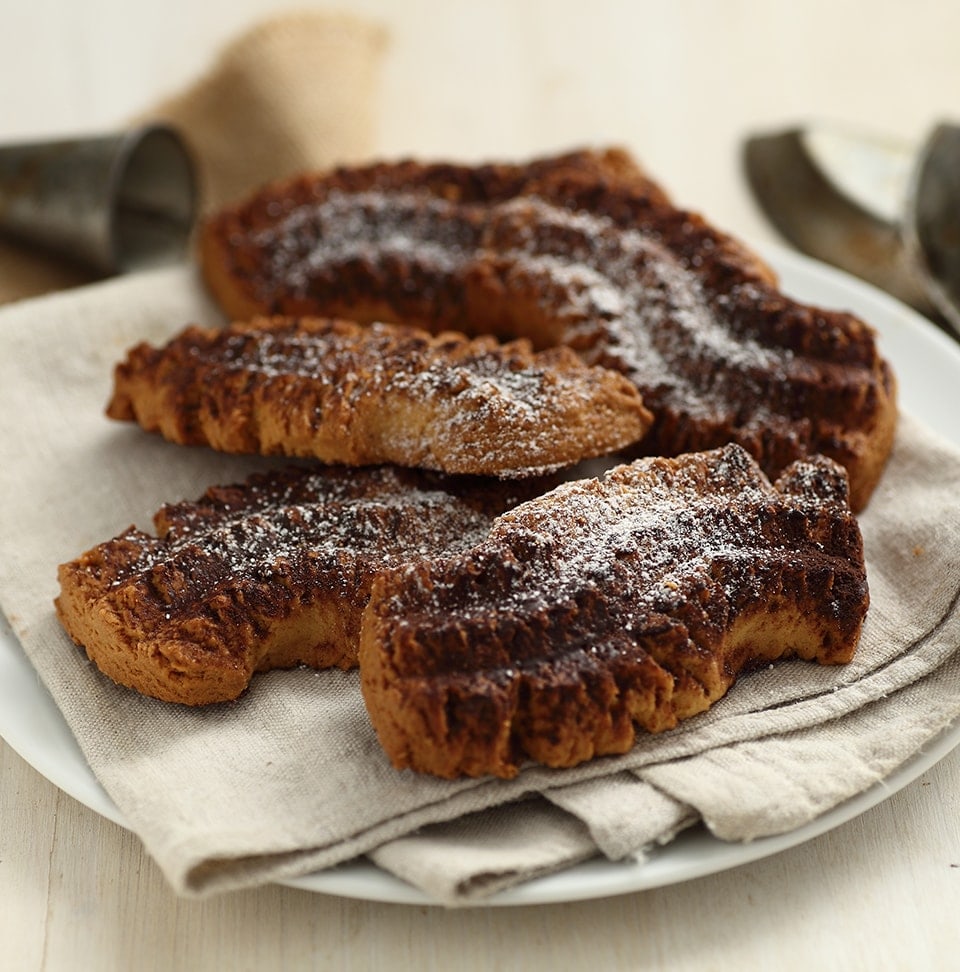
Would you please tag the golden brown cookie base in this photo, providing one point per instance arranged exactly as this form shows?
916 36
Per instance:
359 395
273 573
608 606
581 250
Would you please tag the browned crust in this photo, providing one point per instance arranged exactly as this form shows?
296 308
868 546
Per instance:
272 573
609 606
231 266
345 393
813 383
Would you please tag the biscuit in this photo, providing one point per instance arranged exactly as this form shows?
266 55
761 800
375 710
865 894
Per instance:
607 607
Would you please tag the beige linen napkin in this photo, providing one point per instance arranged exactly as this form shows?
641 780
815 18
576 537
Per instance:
294 92
290 777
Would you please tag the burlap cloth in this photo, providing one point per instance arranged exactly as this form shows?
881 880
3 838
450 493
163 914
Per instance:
290 777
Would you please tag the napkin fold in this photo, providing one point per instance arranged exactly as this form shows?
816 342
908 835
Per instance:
295 91
290 777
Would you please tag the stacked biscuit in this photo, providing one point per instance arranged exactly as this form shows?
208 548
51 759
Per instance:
438 346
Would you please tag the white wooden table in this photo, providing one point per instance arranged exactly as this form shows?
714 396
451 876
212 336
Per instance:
680 84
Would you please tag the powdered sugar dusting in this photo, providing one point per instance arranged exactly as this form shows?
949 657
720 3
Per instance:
655 544
388 393
650 525
303 526
618 295
366 225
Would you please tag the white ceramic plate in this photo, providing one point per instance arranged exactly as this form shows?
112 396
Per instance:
927 363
